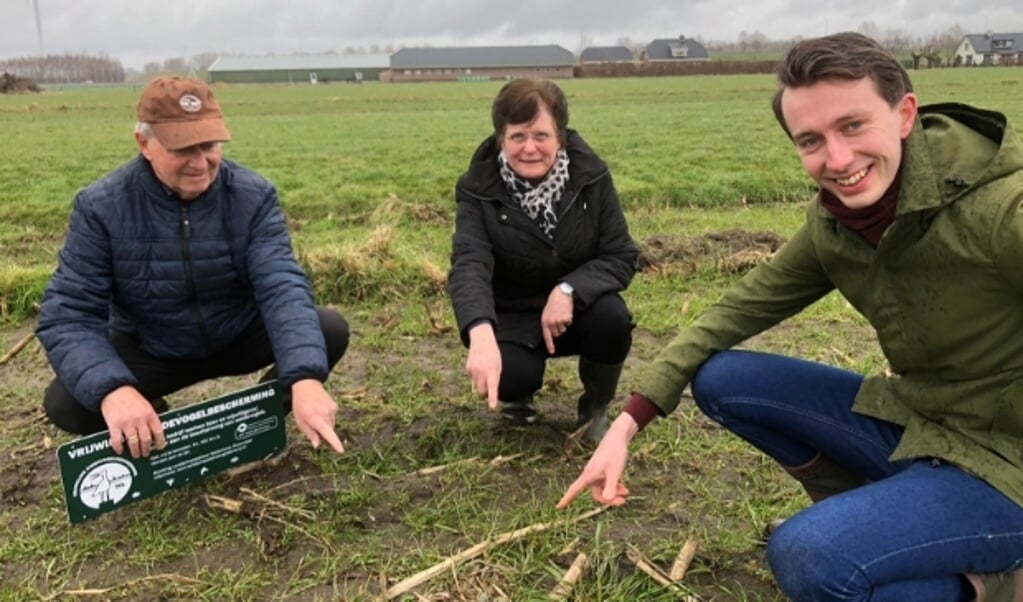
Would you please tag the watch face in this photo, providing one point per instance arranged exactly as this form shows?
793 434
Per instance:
566 288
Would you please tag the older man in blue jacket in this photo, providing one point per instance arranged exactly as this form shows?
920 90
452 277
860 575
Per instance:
178 268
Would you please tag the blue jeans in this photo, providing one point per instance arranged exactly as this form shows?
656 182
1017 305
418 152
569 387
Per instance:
908 535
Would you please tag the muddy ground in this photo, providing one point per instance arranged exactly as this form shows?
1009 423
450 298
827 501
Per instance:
29 482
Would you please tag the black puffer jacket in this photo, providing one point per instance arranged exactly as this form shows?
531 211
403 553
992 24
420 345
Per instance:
503 267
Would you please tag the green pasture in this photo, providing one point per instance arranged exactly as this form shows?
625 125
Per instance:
366 176
338 153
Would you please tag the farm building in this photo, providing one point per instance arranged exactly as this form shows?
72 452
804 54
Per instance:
606 54
480 63
297 68
676 49
990 49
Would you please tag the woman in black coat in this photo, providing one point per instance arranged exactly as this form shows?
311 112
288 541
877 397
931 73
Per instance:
540 254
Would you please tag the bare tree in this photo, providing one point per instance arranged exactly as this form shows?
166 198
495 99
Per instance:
758 42
870 29
203 60
65 68
896 40
945 43
585 42
175 65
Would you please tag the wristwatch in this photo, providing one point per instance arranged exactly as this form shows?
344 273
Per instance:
566 288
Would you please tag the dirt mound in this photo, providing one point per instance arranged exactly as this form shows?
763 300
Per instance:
12 84
729 251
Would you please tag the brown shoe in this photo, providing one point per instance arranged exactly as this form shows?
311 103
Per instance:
771 527
821 478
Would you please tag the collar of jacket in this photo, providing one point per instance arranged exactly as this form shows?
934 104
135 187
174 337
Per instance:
483 177
154 187
953 149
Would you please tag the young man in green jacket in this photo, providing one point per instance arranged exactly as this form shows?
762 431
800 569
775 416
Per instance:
919 225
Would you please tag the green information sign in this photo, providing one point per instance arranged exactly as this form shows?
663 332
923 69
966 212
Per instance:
202 440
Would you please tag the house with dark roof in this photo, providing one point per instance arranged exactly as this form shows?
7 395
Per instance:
606 54
676 49
298 68
990 49
481 63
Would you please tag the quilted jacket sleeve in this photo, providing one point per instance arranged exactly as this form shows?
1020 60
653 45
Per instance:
73 321
472 266
283 294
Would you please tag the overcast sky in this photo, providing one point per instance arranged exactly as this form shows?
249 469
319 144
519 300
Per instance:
137 31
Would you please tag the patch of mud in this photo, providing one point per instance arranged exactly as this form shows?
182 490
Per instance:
729 251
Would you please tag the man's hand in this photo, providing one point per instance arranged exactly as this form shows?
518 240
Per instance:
484 362
605 468
314 413
556 317
132 419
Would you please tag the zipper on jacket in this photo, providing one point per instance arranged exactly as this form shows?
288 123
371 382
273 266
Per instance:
186 258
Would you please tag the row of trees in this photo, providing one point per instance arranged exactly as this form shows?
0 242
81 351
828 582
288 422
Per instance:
202 61
930 50
935 49
64 68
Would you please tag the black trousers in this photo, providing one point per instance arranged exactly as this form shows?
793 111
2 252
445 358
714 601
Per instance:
602 334
157 377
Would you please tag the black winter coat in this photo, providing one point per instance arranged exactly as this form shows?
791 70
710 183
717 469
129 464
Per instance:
503 267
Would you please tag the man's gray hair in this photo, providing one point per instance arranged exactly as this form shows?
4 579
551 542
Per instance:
145 129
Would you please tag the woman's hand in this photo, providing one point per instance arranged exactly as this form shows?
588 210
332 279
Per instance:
556 317
484 362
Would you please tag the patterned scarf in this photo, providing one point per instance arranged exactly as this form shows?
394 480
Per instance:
539 201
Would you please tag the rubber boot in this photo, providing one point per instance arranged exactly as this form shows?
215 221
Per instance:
1000 587
821 478
600 381
519 411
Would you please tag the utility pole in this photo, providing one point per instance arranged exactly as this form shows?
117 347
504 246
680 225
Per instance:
39 27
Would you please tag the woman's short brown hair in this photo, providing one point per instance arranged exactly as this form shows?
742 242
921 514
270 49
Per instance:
519 102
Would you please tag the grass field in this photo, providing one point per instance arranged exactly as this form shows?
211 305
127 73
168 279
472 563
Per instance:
366 174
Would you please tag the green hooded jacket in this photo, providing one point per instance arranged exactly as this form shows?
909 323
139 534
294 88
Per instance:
943 290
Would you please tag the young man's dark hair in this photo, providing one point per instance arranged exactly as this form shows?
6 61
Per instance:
847 56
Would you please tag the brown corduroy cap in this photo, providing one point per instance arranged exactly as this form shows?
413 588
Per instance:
182 112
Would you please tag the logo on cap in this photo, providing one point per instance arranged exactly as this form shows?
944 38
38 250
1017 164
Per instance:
190 103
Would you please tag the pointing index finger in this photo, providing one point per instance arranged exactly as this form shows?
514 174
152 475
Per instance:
492 393
570 494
